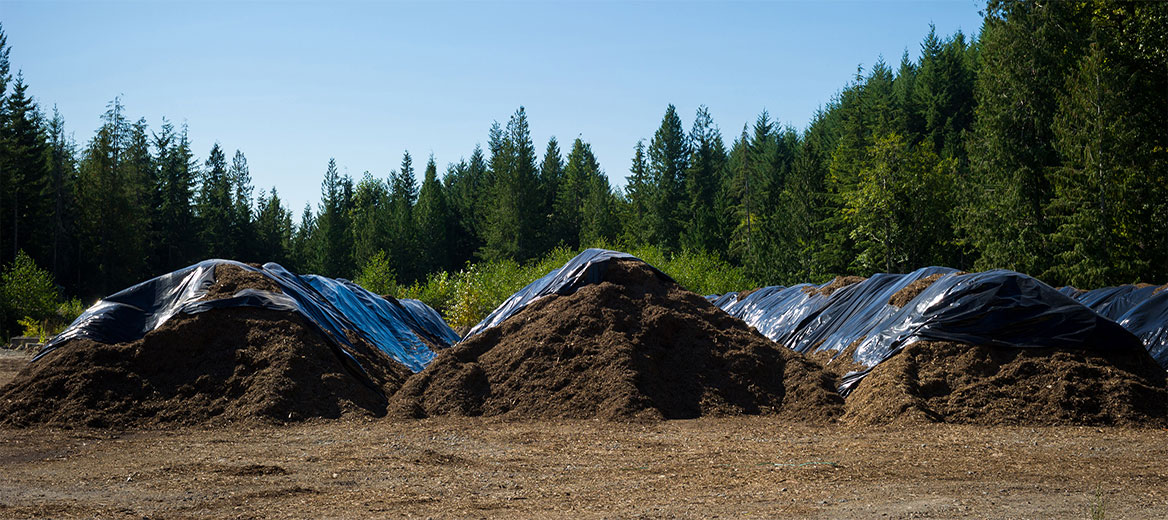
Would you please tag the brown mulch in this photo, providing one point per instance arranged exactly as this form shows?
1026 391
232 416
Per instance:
230 279
958 383
634 347
912 290
838 283
838 363
224 365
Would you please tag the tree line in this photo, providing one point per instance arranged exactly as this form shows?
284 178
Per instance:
1037 146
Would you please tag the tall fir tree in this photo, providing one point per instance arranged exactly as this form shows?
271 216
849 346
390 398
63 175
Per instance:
215 207
403 238
668 159
334 248
707 167
433 222
273 228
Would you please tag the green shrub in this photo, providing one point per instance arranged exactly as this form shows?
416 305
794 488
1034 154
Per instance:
377 276
27 289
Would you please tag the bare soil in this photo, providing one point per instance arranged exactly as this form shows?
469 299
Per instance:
635 346
744 467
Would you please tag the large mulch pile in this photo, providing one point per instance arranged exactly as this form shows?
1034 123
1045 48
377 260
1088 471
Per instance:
222 365
958 383
634 347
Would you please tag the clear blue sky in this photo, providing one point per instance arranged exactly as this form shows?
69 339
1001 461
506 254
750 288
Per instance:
293 84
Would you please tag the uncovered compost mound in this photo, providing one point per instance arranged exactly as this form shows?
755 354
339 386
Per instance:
229 279
223 365
959 383
634 346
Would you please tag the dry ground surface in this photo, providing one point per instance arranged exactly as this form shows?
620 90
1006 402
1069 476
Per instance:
748 467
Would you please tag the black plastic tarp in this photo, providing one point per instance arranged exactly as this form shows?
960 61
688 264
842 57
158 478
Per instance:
585 268
997 308
1142 310
403 329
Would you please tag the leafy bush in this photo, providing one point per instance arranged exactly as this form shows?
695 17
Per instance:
377 276
27 289
28 296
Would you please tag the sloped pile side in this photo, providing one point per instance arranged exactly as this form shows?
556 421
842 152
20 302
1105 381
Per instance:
222 365
634 346
958 383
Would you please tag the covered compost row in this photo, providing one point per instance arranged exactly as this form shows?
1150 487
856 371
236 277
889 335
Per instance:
606 336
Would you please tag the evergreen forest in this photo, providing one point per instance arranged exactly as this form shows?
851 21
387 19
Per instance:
1038 145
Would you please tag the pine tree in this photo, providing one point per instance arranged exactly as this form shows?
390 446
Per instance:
551 173
598 222
1026 51
303 250
25 172
403 238
273 229
62 183
371 219
568 212
433 222
1111 190
639 197
668 160
242 229
707 165
466 188
334 254
513 214
112 249
177 244
215 208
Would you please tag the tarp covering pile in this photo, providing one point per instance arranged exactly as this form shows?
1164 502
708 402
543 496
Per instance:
1141 309
407 330
994 308
585 268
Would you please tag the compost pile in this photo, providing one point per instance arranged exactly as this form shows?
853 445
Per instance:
634 346
952 382
221 365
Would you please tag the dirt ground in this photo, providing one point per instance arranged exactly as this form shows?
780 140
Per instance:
739 467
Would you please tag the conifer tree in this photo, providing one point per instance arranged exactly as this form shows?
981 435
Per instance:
334 242
303 250
1027 49
403 238
568 213
668 157
24 168
62 186
513 214
707 165
273 228
371 219
242 230
639 197
433 222
215 207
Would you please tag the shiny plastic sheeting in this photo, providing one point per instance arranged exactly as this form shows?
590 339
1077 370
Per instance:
1142 310
586 268
998 308
406 330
